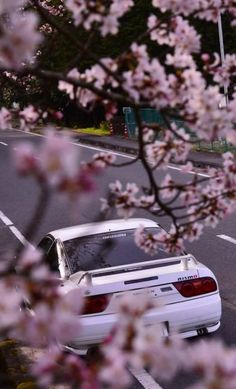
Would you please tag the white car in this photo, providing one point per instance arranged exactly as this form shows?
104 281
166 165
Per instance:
103 258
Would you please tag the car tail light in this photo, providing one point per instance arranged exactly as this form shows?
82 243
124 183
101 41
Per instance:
196 287
96 304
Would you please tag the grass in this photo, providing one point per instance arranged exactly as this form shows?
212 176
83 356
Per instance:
93 131
15 366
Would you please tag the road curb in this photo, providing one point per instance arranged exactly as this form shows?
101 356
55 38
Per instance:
109 146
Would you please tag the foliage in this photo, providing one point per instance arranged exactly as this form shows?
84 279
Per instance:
102 131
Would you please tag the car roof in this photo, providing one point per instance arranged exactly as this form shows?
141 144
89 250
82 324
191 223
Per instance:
100 227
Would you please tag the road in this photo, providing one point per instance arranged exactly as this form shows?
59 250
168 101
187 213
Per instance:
18 197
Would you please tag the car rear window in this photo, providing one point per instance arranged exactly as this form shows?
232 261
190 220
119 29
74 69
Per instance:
107 250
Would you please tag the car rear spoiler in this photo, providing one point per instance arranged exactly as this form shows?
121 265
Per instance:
88 275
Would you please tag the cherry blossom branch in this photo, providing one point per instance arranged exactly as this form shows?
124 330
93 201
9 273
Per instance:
123 164
176 133
78 83
73 39
153 185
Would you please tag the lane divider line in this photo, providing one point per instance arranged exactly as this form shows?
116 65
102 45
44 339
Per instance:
13 229
3 143
190 172
19 236
5 219
103 150
228 238
124 155
145 379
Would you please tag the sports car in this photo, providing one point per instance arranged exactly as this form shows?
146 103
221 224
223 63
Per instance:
103 258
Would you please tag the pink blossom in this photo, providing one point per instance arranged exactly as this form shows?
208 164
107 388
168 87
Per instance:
45 367
48 323
28 117
5 118
19 41
10 5
101 160
105 16
69 88
110 25
222 73
176 147
154 86
135 345
157 154
25 158
179 33
114 373
119 350
187 168
201 9
146 202
58 157
73 370
55 163
164 356
96 75
55 10
215 362
146 241
192 232
30 257
148 135
168 187
11 299
179 59
125 200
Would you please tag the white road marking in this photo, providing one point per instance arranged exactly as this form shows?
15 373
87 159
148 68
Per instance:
88 147
145 379
19 236
5 219
228 238
3 143
189 172
124 155
13 229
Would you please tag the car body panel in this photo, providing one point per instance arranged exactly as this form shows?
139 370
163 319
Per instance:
184 317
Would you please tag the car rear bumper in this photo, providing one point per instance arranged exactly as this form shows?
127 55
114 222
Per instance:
189 318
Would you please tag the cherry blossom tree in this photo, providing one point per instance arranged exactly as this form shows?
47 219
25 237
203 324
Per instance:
182 83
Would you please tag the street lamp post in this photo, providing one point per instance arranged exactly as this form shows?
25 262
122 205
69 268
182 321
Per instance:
222 53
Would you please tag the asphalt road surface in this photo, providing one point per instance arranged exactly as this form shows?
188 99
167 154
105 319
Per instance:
18 198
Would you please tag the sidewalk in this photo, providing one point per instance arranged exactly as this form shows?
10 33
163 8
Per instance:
129 146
